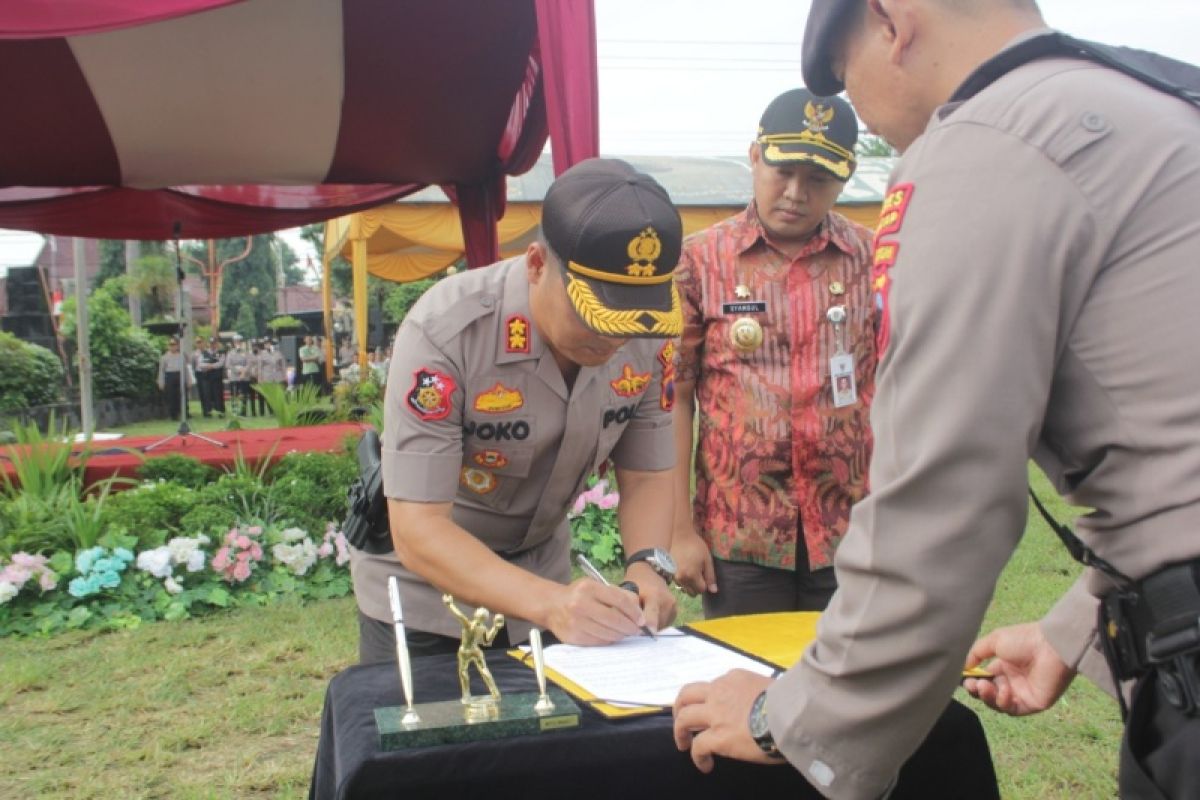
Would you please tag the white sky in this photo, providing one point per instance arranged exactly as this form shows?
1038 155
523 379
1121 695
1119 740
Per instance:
692 77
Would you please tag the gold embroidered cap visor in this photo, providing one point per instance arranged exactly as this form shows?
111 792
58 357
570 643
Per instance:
800 127
618 238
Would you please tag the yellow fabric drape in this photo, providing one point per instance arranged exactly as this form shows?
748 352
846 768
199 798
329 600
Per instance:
405 242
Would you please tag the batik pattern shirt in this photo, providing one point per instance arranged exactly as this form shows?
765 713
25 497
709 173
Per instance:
774 454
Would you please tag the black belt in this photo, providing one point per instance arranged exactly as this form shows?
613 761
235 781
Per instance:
1154 625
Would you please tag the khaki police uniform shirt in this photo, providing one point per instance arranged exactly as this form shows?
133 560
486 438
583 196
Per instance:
1042 301
478 414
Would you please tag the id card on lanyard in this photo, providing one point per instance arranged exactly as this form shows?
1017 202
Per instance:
841 363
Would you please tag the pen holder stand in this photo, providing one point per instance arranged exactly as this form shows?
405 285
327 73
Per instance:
452 721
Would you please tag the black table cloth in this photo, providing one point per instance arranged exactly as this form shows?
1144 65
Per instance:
628 759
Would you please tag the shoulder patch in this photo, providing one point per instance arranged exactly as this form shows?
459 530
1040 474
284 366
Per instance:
891 217
429 397
516 334
666 357
499 400
630 383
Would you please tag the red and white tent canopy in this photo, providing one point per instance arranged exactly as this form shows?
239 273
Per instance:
139 119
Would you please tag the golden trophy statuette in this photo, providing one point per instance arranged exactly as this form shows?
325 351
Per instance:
476 635
475 717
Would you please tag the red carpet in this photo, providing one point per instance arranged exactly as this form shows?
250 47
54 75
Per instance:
124 456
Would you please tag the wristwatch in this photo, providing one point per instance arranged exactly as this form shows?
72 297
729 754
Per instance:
658 559
759 727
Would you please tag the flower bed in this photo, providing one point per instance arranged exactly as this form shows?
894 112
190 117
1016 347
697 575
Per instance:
109 587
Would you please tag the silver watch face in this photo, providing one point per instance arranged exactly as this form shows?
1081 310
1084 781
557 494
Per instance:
664 560
759 726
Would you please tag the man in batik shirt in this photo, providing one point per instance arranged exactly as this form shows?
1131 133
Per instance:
778 357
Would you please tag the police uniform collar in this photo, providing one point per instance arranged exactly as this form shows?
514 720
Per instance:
514 309
1030 45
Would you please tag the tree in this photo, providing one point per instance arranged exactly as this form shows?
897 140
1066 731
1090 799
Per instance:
341 275
869 145
248 286
153 281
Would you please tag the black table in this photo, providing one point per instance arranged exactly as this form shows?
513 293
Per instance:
627 759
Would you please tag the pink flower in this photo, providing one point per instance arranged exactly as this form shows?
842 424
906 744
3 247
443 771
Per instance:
580 502
221 559
254 530
28 561
47 580
243 542
241 572
325 550
609 501
256 551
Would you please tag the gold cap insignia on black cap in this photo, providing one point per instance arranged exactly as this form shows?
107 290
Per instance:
817 117
644 249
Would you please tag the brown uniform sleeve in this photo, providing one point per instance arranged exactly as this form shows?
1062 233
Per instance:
422 431
976 308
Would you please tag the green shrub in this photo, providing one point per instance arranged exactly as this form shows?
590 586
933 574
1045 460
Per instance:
233 497
153 512
124 359
177 468
30 375
309 489
402 296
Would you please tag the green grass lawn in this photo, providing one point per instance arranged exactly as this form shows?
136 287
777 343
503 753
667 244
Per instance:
229 706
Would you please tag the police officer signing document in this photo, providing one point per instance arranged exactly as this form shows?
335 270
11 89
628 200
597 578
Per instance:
1037 273
508 386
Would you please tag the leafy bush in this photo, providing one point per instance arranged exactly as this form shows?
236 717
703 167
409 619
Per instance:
403 296
177 468
309 489
297 407
232 498
30 375
594 525
124 359
152 512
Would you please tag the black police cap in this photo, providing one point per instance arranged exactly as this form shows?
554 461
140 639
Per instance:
826 22
618 236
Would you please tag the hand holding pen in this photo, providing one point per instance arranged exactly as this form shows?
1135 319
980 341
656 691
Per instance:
596 575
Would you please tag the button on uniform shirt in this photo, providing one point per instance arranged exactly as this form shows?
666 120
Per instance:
773 452
1037 260
478 414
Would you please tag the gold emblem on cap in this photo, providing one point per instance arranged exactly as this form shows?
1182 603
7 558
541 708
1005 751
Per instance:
644 249
836 289
741 291
817 116
745 334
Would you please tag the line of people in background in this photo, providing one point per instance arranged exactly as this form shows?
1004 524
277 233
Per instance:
242 364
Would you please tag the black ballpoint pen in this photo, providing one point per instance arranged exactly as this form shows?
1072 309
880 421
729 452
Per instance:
596 575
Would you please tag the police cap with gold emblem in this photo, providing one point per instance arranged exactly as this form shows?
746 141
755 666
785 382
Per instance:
799 127
618 237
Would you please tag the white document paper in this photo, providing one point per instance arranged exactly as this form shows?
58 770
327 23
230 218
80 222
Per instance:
639 670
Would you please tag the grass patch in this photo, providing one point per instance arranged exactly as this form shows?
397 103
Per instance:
229 706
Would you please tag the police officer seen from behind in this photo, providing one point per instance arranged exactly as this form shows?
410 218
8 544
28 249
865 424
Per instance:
1037 273
508 386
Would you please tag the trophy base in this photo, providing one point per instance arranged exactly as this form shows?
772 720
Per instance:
453 721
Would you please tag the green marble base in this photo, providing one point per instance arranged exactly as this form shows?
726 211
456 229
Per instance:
450 721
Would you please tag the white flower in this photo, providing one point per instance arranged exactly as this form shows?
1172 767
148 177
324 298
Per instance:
172 586
157 562
186 550
296 557
292 535
7 592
